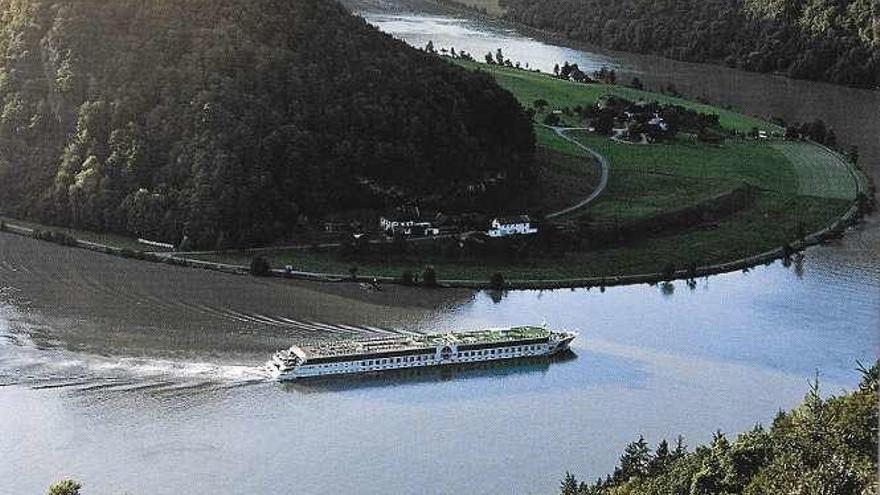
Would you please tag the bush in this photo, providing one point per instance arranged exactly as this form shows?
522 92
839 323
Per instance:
429 277
56 237
496 281
260 267
406 278
66 487
551 119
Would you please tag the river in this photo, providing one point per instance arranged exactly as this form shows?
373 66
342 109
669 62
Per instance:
143 378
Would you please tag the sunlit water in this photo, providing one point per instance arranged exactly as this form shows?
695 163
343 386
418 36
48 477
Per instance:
138 378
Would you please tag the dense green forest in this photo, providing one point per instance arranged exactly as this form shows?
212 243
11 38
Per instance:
836 41
227 121
825 446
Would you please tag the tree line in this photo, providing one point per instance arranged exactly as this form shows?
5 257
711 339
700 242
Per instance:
825 445
228 123
832 41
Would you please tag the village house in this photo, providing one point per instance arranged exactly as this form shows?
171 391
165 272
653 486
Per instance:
508 226
407 226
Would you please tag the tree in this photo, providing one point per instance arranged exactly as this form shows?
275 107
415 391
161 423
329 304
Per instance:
489 58
406 278
65 487
260 267
635 459
540 104
496 281
661 460
353 271
551 119
636 83
499 57
569 485
556 70
429 277
430 47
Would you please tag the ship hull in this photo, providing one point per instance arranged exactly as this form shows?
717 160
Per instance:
443 356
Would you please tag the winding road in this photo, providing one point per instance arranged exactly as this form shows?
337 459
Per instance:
603 164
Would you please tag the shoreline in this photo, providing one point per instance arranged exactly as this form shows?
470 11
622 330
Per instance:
835 228
560 39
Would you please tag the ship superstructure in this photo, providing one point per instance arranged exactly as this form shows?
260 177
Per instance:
374 355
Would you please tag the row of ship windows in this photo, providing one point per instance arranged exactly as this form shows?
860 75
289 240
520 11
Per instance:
430 357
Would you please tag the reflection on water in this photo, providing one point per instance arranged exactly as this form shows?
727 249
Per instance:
463 371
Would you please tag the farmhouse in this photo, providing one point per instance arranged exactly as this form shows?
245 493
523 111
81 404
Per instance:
508 226
407 226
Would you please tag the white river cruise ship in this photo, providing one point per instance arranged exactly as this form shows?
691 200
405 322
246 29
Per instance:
364 356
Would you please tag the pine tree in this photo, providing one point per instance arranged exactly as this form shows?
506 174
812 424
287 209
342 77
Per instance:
635 459
569 485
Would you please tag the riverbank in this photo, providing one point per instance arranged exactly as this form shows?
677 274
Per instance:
801 194
325 269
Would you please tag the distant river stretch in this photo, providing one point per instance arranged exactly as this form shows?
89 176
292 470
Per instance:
140 378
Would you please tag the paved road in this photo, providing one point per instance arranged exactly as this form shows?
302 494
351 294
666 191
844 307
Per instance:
603 164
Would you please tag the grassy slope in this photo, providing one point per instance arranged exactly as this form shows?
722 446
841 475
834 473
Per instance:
819 172
530 86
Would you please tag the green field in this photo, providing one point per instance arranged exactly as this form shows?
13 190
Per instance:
549 139
819 172
647 180
530 86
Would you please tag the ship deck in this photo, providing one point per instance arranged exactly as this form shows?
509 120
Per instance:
427 341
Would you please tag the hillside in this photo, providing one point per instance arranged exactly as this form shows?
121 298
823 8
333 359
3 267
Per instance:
837 42
825 445
230 121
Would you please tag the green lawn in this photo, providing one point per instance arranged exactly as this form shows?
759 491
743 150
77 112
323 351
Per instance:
546 137
755 162
530 86
819 172
631 195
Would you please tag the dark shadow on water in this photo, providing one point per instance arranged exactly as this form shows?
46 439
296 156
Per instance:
464 371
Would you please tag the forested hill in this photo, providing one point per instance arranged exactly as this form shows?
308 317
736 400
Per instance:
835 41
228 120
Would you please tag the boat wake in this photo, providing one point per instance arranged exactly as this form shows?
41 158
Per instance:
23 362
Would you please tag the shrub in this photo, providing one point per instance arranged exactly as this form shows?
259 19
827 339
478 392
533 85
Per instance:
66 487
406 278
551 119
57 237
260 267
429 277
496 281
